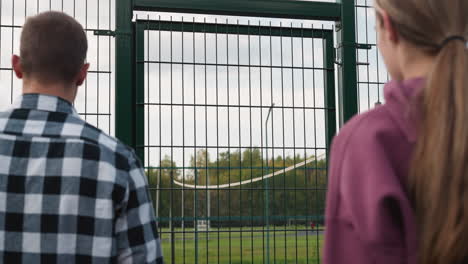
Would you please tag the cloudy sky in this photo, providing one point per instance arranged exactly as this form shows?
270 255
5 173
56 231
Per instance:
194 90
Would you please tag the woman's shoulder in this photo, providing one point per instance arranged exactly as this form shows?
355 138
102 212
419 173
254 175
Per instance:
370 152
375 127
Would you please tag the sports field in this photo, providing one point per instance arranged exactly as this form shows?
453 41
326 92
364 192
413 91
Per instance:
246 245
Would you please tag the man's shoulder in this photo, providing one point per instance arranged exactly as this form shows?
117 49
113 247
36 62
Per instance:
106 142
115 157
123 158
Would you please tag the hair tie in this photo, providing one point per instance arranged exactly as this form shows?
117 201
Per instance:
452 38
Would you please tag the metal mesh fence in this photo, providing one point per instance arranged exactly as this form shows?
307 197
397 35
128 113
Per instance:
372 73
95 99
228 186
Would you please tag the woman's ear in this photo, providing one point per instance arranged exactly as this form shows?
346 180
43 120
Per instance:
387 27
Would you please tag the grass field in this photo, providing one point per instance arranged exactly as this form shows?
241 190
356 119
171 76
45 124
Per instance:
287 245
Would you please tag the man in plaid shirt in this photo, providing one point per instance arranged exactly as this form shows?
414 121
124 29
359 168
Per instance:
68 192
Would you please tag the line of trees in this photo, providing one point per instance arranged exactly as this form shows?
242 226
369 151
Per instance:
298 194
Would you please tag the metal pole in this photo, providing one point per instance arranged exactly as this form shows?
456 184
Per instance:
208 210
182 214
195 227
158 180
171 225
267 196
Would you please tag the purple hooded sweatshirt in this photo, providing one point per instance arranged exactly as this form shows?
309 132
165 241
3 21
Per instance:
369 218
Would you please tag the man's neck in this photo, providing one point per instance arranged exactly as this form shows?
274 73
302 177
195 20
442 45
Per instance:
66 92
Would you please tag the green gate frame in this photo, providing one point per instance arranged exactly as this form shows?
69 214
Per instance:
127 124
141 26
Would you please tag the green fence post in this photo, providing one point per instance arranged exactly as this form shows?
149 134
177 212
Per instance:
330 105
139 92
124 84
347 77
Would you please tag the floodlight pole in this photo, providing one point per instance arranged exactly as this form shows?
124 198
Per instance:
266 187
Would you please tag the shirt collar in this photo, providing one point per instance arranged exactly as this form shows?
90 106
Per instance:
44 102
402 100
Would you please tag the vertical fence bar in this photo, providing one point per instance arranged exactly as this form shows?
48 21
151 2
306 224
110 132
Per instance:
294 133
124 97
86 80
110 61
98 68
206 140
240 137
218 204
229 141
250 138
183 136
367 58
330 112
139 132
183 133
272 134
305 139
158 195
171 198
283 148
12 44
194 103
314 117
266 139
147 110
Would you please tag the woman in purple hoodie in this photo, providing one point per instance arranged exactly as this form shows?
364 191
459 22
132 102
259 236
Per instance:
398 188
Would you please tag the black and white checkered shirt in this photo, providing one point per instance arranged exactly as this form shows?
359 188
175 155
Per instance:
68 192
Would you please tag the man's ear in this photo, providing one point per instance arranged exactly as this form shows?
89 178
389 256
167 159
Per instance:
82 74
17 68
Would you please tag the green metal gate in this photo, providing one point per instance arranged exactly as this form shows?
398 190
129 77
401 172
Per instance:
234 121
243 222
